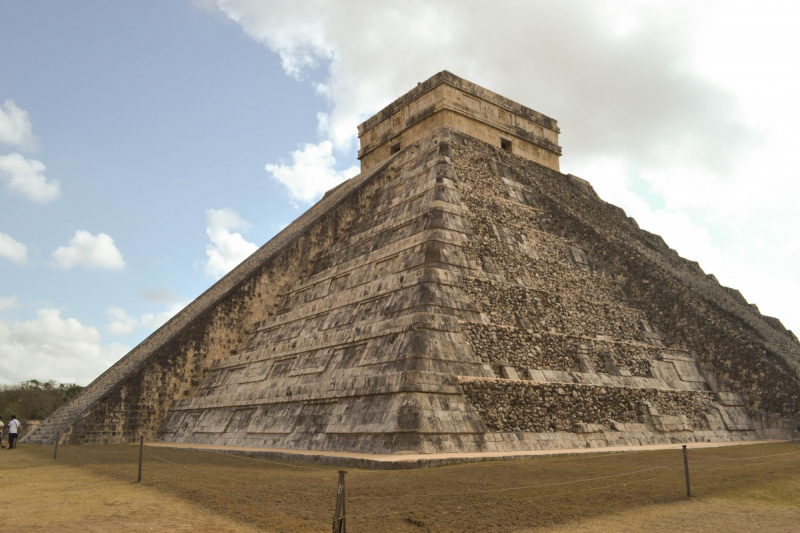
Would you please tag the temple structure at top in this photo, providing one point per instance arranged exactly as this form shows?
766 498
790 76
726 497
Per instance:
447 100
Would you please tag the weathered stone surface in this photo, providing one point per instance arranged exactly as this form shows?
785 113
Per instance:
455 297
445 100
516 405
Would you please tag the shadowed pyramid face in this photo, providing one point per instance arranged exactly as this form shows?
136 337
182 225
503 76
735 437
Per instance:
455 297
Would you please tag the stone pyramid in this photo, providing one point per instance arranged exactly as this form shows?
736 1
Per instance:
459 295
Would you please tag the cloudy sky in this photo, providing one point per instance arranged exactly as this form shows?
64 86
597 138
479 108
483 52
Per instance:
148 147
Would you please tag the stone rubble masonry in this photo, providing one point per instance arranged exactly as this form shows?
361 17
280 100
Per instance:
455 298
514 405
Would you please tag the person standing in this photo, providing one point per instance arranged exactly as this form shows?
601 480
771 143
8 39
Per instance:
1 432
13 431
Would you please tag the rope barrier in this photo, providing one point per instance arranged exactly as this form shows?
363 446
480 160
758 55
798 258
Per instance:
740 459
94 460
501 461
586 480
260 502
507 462
238 480
78 448
745 465
407 497
524 487
482 464
538 497
476 491
418 496
81 448
272 461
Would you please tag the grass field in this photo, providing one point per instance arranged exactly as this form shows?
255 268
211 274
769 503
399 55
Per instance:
93 488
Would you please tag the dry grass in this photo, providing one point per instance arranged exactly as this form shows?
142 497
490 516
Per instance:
93 487
39 494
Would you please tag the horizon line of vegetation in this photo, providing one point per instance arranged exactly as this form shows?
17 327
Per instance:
34 399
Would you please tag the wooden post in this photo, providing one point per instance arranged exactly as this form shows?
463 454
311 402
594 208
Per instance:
141 452
340 516
58 437
686 469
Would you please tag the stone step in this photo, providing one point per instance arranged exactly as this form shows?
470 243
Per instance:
58 421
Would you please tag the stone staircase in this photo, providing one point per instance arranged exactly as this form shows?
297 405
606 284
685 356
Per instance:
68 413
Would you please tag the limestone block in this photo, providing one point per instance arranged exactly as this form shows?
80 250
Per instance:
714 421
665 370
582 427
214 421
735 418
669 423
732 399
536 375
509 372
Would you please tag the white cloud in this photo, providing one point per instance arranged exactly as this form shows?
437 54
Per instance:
12 249
629 91
90 251
8 302
632 90
226 249
121 322
295 33
51 347
15 126
311 172
26 176
124 324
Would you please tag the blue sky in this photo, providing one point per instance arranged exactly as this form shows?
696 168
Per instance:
147 147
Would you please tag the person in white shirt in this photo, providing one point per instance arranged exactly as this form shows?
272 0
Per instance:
13 431
1 432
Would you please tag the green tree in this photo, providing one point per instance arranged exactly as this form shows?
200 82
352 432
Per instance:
34 399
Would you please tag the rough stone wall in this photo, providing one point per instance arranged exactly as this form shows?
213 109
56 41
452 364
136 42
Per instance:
541 407
562 261
542 298
521 348
746 353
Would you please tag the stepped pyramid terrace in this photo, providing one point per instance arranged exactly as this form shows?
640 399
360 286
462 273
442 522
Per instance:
459 295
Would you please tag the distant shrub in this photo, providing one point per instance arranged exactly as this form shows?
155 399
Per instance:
35 399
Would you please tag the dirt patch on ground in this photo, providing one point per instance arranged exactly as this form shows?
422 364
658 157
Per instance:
93 487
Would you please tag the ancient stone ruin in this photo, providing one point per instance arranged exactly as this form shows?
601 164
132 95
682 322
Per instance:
460 294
